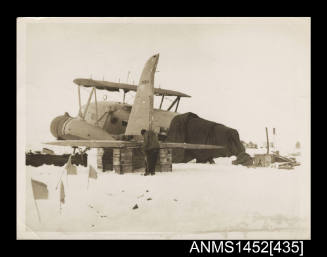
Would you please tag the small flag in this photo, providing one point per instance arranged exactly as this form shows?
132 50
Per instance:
92 173
62 193
71 169
40 190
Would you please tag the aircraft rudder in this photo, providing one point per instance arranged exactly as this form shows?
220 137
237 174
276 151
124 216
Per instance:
140 117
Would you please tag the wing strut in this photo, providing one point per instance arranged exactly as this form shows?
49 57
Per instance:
177 104
79 101
96 105
162 98
88 103
173 103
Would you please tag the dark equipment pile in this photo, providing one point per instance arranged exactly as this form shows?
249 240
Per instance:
190 128
37 159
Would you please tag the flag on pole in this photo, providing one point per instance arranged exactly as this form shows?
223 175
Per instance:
92 173
40 190
71 168
62 193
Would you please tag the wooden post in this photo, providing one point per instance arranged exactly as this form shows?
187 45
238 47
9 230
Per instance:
267 140
275 139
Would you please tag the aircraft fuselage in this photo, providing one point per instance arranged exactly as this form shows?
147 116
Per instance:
103 121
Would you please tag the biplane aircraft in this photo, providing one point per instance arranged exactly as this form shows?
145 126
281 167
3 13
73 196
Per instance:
104 124
107 119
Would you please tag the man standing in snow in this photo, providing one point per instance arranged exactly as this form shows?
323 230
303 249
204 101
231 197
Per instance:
151 149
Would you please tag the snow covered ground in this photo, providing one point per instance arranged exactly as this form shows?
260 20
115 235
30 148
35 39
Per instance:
219 201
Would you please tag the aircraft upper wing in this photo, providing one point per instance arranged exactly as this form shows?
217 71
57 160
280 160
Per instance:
133 144
113 86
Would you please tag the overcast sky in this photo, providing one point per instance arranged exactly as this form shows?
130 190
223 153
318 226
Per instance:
244 73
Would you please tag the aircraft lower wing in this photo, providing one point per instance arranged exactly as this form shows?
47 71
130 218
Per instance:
133 144
190 146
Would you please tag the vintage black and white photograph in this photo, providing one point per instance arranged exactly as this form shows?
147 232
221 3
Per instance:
163 128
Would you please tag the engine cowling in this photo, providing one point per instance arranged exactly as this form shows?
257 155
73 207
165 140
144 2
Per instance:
65 127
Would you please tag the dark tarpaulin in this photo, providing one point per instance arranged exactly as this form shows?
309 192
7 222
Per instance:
190 128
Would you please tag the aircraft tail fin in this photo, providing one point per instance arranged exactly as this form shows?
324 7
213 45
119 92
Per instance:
142 111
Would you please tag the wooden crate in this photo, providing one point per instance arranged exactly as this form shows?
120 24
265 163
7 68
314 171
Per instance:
99 158
107 166
105 159
262 160
165 167
138 159
117 169
164 162
123 160
125 168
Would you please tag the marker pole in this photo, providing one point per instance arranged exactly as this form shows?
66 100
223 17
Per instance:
37 210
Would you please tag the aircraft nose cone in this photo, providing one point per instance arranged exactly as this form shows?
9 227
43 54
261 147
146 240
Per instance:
57 124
